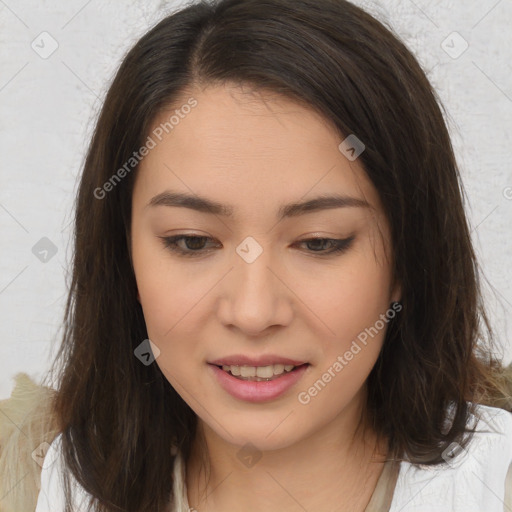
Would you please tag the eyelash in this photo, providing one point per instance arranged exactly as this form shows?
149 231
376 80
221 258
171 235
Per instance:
170 242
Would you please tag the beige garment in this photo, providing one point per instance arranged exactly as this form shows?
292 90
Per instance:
26 431
383 494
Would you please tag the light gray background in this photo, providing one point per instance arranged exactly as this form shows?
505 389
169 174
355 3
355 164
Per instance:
48 107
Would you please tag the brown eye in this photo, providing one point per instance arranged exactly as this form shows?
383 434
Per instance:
337 245
194 245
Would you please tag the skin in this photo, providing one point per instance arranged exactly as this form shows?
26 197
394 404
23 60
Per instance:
255 152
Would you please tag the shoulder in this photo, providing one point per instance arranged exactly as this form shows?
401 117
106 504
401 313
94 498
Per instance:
51 496
471 480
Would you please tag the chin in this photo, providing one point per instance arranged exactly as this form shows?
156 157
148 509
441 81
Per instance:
260 438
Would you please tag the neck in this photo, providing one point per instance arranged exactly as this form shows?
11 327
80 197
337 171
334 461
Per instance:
336 468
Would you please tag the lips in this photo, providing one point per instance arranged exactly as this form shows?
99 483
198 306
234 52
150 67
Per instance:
254 391
264 360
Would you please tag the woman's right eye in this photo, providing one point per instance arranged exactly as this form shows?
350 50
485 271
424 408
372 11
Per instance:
194 245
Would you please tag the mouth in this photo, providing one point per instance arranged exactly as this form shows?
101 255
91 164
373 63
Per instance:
260 373
257 384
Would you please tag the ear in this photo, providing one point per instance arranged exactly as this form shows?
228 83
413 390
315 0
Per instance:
396 293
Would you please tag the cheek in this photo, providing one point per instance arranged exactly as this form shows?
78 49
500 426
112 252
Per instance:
169 304
348 355
161 290
335 386
355 298
154 293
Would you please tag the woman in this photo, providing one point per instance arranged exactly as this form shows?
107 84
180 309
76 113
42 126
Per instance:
275 302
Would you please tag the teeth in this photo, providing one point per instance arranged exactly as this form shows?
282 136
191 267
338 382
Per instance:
279 368
265 372
248 371
262 372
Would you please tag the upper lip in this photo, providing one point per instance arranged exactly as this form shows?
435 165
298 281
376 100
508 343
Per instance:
265 360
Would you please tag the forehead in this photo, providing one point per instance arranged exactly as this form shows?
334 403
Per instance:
240 146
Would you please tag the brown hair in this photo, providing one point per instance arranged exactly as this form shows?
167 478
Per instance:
119 417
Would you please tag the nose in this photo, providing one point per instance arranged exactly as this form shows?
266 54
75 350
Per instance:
255 297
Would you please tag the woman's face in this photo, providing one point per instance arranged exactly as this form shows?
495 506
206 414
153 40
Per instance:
256 286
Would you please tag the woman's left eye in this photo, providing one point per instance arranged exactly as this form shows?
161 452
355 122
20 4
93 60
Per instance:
195 245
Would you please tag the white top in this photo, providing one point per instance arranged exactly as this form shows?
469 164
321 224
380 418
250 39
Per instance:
472 481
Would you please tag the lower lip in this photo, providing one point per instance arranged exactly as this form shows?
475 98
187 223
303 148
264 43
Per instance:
262 391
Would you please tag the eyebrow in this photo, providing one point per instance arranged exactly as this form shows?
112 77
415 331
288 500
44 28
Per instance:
205 205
